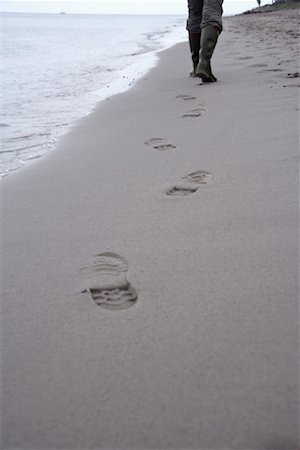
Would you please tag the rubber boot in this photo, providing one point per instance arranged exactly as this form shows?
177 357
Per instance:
209 37
194 40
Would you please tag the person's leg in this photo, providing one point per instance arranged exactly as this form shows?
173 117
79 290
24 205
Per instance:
211 27
194 40
193 26
212 14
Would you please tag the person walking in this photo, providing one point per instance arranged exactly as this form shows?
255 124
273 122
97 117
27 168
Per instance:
204 25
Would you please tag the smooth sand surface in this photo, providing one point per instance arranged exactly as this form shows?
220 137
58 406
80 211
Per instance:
207 358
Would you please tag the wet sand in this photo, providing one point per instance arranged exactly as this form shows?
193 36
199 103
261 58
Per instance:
179 202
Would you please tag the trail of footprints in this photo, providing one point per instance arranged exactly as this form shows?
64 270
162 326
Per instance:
196 112
106 275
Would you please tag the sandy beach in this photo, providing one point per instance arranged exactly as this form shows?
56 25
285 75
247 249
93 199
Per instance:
180 200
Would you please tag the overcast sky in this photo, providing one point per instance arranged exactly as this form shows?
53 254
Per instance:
118 6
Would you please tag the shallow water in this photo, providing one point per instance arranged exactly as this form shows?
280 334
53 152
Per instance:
57 67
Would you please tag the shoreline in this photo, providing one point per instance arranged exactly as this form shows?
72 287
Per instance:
196 187
21 151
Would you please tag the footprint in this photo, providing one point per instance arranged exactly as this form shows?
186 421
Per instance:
276 69
199 177
291 85
194 113
293 75
186 97
159 144
181 191
244 57
107 283
193 181
259 65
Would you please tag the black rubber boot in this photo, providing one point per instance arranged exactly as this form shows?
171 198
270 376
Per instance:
209 38
194 40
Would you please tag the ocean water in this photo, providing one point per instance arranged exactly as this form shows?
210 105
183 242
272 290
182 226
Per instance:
57 67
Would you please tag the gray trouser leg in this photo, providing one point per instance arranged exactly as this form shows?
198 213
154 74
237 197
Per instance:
195 8
212 13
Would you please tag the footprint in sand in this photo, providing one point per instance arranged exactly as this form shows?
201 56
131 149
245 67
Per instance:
291 85
293 75
107 283
276 69
242 58
186 97
197 112
192 182
159 144
259 65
